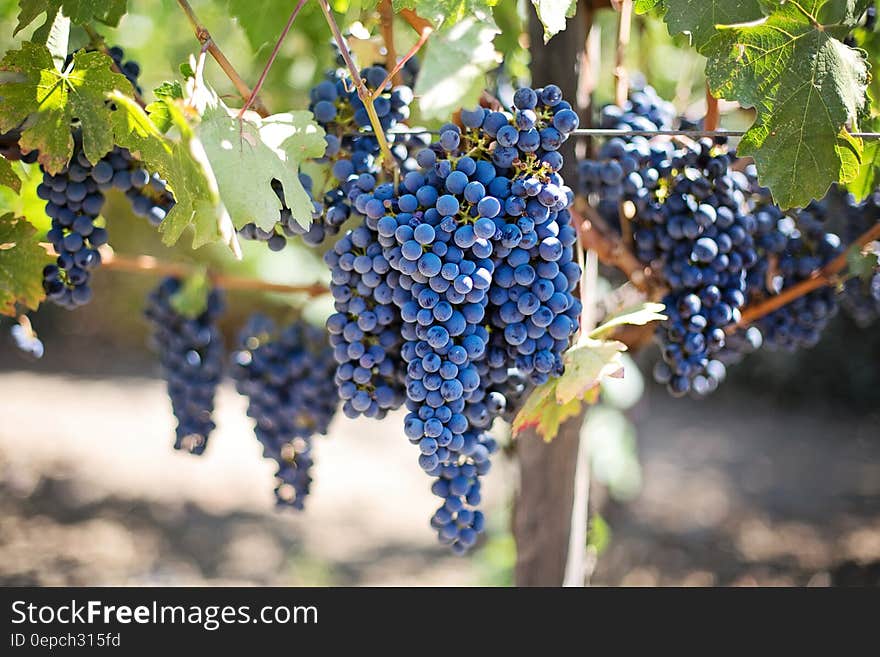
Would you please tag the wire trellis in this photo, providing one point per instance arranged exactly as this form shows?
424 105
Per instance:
612 132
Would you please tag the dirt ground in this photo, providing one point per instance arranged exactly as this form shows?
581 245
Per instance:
735 492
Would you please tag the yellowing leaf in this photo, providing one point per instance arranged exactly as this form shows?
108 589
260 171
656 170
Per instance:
542 413
639 315
31 88
8 177
553 402
21 265
586 364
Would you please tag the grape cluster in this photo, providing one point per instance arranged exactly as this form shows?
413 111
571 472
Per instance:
472 257
287 376
191 354
286 225
615 172
692 225
790 248
860 297
365 330
74 199
73 202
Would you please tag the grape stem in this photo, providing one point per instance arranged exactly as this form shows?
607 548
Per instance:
204 37
388 161
256 90
821 277
144 264
393 72
596 235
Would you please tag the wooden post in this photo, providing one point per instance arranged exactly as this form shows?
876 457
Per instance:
542 513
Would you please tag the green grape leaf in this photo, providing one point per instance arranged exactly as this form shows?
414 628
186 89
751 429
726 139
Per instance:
699 19
553 14
158 111
79 11
639 315
260 21
644 6
441 12
21 265
25 202
587 363
247 155
8 177
454 68
183 164
861 264
191 300
806 87
32 89
868 177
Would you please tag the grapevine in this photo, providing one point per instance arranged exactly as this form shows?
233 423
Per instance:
452 251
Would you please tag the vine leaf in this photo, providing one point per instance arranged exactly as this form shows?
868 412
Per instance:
260 21
158 111
247 155
862 264
21 265
868 177
699 19
806 87
8 177
550 404
46 100
181 162
79 11
453 71
553 14
643 313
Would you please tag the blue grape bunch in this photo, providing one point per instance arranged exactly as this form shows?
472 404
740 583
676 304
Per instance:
860 296
365 330
74 199
791 248
693 226
73 202
191 356
287 376
483 198
615 171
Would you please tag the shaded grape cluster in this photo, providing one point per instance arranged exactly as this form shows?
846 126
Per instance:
191 355
287 375
614 172
860 296
692 225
